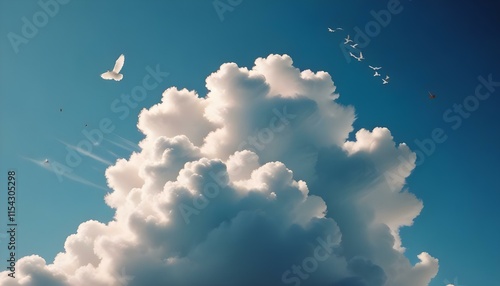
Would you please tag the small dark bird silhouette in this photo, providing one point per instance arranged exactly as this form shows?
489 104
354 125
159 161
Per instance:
60 109
431 95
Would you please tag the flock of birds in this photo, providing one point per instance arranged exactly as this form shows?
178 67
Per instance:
359 58
348 41
115 74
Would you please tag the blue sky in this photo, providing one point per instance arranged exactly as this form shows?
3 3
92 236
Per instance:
428 46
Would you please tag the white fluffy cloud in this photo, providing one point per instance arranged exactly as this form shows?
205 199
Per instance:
253 184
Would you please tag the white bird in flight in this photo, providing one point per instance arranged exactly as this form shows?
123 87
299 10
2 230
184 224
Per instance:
376 73
375 68
334 29
360 58
46 161
348 40
385 80
354 46
115 73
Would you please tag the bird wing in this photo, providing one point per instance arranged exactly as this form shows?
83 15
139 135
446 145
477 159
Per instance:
352 55
119 63
118 77
331 30
107 75
340 29
361 55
